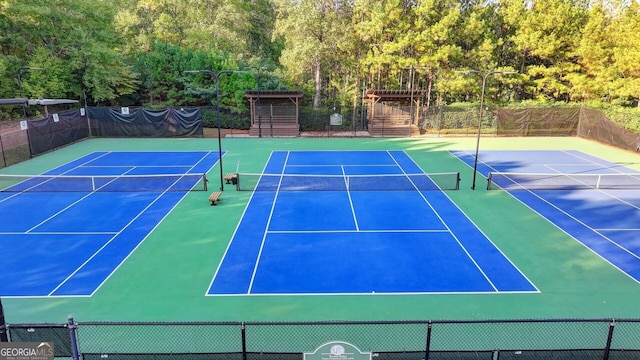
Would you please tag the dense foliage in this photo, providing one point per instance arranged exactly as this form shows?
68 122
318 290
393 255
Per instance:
136 52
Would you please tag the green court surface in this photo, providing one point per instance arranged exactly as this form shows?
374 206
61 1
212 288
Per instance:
167 276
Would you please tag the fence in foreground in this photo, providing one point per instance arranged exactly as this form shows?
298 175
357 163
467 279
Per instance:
405 340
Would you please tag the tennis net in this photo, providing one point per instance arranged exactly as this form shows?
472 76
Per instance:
100 183
533 181
384 182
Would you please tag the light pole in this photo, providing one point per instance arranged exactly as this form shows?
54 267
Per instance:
216 76
22 68
484 76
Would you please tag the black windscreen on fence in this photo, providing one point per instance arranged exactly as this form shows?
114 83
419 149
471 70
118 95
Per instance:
584 122
63 128
538 121
167 356
595 125
169 122
58 334
56 130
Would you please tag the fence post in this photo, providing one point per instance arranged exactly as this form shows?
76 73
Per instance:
428 347
4 158
244 341
271 120
3 325
72 326
609 339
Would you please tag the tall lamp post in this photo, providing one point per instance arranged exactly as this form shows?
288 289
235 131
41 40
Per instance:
484 76
20 70
216 76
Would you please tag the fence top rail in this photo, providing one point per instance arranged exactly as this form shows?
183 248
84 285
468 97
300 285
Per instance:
338 322
160 323
35 326
317 323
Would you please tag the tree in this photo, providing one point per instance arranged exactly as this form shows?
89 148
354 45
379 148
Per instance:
194 24
595 55
311 30
626 53
164 82
546 36
377 23
73 41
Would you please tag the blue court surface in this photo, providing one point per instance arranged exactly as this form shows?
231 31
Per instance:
356 235
64 232
598 203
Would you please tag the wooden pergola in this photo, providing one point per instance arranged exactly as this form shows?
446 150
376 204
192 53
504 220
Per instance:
394 112
274 112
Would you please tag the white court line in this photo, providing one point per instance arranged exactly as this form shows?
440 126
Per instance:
619 229
394 293
355 231
353 210
341 165
58 233
138 166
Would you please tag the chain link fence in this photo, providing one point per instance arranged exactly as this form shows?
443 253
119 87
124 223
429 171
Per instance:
445 120
14 143
404 340
457 120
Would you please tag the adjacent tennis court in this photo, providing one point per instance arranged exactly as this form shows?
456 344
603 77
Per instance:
66 231
353 222
595 201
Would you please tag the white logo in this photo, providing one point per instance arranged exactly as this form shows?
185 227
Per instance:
337 350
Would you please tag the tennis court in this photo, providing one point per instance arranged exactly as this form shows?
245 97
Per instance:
595 201
170 256
354 222
66 231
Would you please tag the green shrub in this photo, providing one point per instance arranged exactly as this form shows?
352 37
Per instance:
228 120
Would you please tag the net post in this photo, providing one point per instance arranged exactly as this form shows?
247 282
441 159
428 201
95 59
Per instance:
204 181
458 181
238 181
489 181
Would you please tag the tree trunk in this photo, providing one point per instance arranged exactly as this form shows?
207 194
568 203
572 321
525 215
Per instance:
318 83
429 86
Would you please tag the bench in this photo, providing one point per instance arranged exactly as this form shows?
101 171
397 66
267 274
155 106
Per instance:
230 177
214 197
